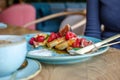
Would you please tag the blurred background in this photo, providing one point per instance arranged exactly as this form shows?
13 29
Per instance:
55 0
41 9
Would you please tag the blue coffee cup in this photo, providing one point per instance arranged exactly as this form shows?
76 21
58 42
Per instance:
13 49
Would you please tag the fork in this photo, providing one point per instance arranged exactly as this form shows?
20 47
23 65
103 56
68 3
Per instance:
94 46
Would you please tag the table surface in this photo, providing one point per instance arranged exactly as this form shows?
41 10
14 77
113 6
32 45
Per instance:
103 67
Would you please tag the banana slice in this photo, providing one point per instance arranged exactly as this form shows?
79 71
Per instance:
55 42
65 44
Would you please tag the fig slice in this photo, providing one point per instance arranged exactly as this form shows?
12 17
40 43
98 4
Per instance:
64 30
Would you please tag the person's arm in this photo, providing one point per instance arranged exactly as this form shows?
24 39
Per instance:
93 28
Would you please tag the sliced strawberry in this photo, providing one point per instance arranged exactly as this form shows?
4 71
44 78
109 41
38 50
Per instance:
82 39
78 40
85 43
90 42
58 35
32 40
76 44
40 38
70 35
52 37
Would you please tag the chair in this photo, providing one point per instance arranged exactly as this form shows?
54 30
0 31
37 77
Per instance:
78 24
44 9
18 15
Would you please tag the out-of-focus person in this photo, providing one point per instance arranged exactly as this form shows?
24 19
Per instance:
3 5
103 12
18 13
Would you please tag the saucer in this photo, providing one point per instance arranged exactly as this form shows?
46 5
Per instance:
31 70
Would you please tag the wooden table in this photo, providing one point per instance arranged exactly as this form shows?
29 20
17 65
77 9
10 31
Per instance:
102 67
16 30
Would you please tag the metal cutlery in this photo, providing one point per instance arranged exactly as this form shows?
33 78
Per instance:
95 46
25 63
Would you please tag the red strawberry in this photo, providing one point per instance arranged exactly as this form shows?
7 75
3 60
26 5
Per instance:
40 38
32 40
82 39
85 43
52 37
90 42
58 35
76 44
70 35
